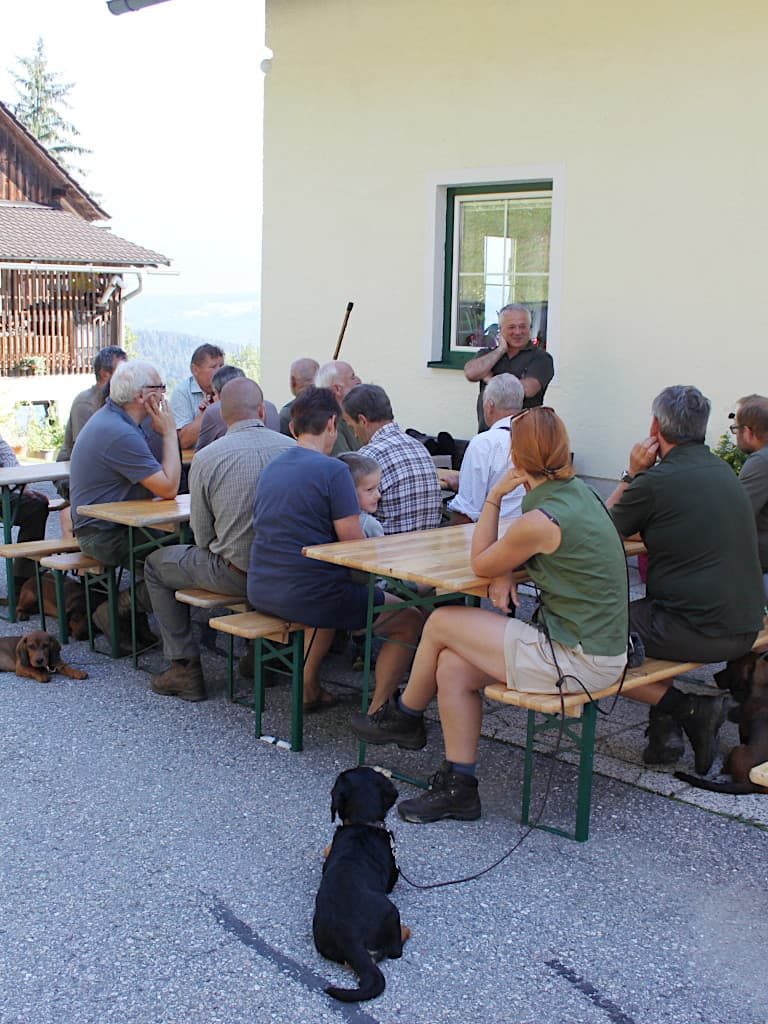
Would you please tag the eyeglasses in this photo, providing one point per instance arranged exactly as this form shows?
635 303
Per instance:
534 408
153 387
735 428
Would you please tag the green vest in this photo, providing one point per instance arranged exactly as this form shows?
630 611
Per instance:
584 596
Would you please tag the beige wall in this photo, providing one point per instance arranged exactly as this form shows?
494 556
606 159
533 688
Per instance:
651 115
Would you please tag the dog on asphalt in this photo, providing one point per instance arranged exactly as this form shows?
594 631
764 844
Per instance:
74 604
37 655
355 923
747 680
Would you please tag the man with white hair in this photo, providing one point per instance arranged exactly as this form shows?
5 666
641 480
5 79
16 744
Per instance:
487 457
112 461
514 353
340 378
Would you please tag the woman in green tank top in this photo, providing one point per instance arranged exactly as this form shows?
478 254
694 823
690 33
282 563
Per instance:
575 556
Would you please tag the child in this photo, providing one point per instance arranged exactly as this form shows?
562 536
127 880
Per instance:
366 476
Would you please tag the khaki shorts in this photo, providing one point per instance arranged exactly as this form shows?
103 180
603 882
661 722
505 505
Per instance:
531 669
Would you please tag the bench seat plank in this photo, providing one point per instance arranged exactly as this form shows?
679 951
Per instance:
257 625
199 598
39 548
759 774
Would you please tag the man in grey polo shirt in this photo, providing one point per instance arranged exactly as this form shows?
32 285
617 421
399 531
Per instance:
222 484
192 396
112 461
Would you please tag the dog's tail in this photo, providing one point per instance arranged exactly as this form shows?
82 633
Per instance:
370 977
736 788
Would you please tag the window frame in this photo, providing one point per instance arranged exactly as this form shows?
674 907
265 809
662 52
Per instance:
443 191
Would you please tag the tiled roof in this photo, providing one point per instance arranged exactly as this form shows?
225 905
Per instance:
39 234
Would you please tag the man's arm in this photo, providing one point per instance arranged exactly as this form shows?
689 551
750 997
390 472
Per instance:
190 432
642 457
481 366
349 528
201 517
754 478
164 483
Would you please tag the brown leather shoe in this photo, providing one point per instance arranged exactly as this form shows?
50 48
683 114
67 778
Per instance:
183 681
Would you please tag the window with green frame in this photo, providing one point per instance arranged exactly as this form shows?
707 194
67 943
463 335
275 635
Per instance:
497 243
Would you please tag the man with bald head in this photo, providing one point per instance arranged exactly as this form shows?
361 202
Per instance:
302 376
222 484
340 378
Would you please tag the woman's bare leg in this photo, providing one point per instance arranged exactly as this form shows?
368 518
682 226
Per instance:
317 643
460 704
401 630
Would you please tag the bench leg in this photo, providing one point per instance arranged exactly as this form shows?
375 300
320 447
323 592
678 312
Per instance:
230 666
39 587
58 582
297 691
258 685
528 768
586 761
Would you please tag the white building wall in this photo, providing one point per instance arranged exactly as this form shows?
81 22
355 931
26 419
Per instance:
651 114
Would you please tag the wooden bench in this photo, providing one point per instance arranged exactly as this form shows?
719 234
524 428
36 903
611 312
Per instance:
34 550
210 599
579 726
270 636
95 575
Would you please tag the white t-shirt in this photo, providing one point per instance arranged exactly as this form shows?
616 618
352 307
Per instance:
485 461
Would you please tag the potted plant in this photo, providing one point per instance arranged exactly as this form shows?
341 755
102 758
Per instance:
45 437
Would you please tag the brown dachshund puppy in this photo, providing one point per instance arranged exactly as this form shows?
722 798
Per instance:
74 604
355 922
747 680
35 656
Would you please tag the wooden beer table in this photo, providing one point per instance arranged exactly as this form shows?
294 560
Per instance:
15 478
144 518
432 558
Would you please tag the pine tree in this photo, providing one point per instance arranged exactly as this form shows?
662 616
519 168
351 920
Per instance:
42 95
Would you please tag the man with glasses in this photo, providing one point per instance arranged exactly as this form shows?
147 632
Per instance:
704 594
112 461
750 430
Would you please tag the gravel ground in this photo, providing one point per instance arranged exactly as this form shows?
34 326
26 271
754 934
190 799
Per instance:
159 866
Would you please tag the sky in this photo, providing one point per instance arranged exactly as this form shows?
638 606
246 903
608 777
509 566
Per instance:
169 100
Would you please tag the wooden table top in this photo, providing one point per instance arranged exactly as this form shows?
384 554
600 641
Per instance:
33 473
146 512
187 454
436 558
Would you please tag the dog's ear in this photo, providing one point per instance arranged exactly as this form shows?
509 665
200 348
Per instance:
54 651
339 796
387 793
21 652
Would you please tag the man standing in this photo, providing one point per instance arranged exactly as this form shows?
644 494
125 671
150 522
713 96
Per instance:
410 489
302 376
192 396
92 399
340 378
222 484
750 427
515 353
704 594
487 457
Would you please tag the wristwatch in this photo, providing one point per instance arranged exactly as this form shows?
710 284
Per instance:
626 477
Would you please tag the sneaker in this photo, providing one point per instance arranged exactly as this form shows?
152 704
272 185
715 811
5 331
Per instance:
665 739
451 795
701 722
390 725
184 681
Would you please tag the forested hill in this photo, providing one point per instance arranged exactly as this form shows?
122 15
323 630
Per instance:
171 351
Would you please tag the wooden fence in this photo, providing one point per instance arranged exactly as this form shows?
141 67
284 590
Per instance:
55 322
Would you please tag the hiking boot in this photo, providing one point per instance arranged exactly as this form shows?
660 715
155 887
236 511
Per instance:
451 795
701 720
390 725
184 681
665 738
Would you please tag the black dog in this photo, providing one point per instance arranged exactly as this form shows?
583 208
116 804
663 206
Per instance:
355 923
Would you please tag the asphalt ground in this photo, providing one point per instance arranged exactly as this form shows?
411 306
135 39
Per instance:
159 866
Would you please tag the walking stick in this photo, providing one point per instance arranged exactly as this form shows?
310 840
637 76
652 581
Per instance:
343 329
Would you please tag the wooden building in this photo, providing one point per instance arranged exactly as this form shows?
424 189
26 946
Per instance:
63 280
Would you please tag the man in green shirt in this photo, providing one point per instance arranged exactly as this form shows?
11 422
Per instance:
704 593
750 430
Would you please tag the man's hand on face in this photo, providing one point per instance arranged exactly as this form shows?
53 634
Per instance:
160 414
643 455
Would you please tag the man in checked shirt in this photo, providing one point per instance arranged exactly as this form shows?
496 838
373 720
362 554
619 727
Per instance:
410 489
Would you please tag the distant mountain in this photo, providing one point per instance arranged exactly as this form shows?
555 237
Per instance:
225 320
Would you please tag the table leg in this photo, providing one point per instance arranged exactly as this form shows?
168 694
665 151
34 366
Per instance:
5 497
361 747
